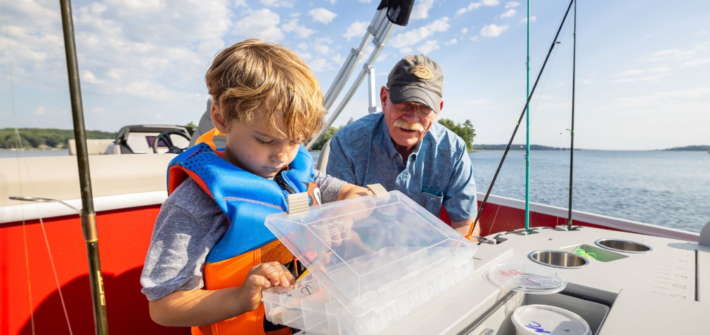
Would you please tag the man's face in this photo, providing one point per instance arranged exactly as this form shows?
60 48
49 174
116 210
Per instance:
407 123
253 148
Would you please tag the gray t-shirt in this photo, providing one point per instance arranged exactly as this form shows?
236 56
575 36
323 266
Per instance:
190 223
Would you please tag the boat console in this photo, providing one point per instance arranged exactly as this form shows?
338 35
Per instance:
626 284
383 265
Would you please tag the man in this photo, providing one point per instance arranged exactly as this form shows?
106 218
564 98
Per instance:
405 149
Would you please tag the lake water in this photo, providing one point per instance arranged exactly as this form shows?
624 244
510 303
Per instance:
668 188
658 187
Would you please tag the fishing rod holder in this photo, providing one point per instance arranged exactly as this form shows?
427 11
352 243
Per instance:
35 199
565 227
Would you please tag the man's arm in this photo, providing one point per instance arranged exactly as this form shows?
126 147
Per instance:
338 164
460 195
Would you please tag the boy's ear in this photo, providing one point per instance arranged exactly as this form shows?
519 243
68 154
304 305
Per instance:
217 119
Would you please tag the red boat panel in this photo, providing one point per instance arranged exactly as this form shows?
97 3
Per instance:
124 236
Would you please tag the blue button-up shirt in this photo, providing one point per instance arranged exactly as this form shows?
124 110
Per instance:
437 173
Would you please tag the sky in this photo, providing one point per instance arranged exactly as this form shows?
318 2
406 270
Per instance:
642 74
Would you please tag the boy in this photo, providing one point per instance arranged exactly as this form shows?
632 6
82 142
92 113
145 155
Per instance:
211 228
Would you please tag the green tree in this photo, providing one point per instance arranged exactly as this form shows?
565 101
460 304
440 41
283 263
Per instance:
327 135
36 137
465 131
191 127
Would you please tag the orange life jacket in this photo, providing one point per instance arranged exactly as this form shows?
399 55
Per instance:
246 199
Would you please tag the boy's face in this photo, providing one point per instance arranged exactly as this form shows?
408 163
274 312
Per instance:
253 148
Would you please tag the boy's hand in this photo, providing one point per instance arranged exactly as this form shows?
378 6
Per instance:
261 277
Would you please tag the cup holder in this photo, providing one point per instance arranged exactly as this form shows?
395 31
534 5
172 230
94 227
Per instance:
623 246
558 259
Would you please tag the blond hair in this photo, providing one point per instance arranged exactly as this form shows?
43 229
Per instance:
253 76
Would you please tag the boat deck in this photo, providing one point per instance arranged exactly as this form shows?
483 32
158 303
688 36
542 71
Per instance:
665 290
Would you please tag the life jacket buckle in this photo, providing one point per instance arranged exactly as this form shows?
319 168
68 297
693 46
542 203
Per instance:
297 203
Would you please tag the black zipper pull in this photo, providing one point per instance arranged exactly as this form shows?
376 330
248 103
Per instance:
279 179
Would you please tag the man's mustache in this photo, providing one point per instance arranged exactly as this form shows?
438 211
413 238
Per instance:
401 123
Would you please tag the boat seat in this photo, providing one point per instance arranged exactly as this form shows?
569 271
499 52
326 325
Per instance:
94 147
57 177
323 158
206 125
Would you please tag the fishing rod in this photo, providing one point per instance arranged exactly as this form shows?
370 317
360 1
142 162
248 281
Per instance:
517 124
571 149
527 130
88 215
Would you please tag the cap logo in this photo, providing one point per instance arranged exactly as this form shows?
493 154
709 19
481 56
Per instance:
423 72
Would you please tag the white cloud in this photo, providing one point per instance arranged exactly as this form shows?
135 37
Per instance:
525 20
665 101
115 73
508 14
305 55
512 4
470 7
649 75
322 15
421 9
262 23
415 36
319 65
405 50
338 59
493 30
332 2
114 49
239 3
356 29
697 54
474 38
702 33
321 45
479 102
428 47
365 1
321 48
278 3
490 2
39 110
89 77
300 31
96 110
452 41
464 31
302 46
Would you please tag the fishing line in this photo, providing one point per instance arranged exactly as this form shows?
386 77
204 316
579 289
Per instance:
544 82
522 114
533 112
21 152
19 176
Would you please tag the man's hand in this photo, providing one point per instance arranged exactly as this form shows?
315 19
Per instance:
261 277
463 227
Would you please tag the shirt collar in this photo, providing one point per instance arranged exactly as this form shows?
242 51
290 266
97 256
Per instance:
389 145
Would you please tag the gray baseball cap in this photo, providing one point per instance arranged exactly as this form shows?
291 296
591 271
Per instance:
416 78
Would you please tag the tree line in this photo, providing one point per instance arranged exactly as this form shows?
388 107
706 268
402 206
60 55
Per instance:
39 138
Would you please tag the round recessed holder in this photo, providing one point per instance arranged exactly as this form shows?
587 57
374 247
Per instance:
623 246
526 278
558 259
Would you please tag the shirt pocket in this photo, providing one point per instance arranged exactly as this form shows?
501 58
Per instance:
431 202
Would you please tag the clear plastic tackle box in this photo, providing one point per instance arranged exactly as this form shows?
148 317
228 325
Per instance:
372 260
